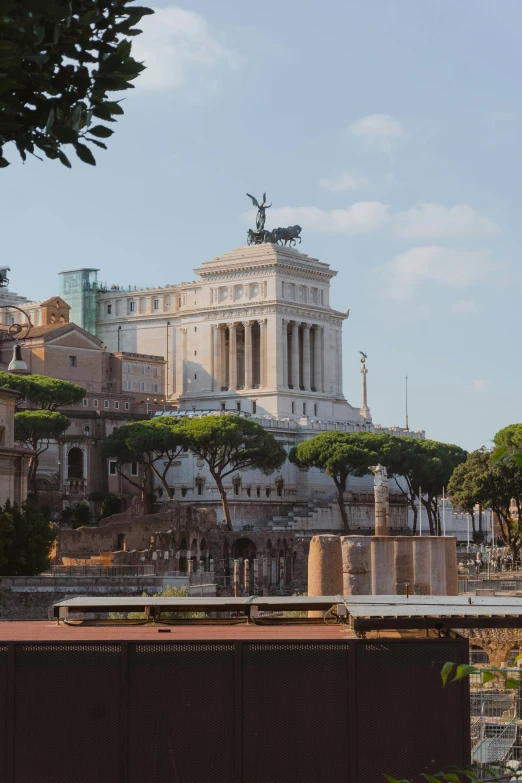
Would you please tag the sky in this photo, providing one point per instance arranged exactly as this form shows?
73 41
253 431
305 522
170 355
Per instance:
390 130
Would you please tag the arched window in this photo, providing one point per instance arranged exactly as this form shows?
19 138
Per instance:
87 430
75 463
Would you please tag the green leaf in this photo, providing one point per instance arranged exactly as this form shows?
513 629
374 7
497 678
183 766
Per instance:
451 777
50 120
101 131
76 116
518 658
113 107
64 159
3 163
446 671
98 143
431 778
487 676
512 682
84 153
463 670
40 59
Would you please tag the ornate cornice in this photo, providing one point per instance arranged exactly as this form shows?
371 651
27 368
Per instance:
294 312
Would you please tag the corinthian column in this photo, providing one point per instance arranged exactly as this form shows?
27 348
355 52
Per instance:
318 359
248 354
306 357
295 355
262 352
232 357
216 341
285 354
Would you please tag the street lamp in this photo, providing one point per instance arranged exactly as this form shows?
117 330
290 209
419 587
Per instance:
17 364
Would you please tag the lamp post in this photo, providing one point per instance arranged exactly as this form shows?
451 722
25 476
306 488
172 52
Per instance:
17 364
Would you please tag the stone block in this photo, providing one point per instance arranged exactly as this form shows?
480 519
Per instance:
356 564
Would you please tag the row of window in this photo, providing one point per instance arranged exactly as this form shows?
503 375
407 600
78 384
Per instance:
106 404
141 386
305 408
133 306
113 468
139 369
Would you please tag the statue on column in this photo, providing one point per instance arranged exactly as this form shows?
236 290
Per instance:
382 499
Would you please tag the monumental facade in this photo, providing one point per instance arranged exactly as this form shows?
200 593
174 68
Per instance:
254 334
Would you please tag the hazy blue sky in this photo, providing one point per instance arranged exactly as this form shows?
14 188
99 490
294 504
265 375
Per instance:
390 130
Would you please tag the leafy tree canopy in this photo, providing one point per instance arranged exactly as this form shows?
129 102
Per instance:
491 484
27 538
341 454
36 428
153 443
59 61
43 391
229 443
508 443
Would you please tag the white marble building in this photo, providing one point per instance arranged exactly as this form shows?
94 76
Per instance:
255 334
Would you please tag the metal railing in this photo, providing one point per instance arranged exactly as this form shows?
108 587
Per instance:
496 724
114 571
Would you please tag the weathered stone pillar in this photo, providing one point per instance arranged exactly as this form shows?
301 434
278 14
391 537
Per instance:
437 565
403 556
452 571
285 354
246 576
383 567
248 354
232 357
216 340
295 355
273 571
382 500
356 564
236 578
318 358
421 565
306 357
256 573
281 575
325 567
223 364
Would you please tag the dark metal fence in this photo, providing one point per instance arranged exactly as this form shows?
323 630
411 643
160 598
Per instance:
231 711
505 585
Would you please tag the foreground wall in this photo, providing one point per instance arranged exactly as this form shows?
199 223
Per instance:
256 710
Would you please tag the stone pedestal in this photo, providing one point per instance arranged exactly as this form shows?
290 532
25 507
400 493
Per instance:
356 564
438 566
383 568
325 568
403 555
421 565
452 572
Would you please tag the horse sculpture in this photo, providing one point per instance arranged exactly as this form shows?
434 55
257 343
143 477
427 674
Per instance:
288 235
282 236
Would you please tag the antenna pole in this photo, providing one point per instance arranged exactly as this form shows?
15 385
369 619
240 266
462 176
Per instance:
407 425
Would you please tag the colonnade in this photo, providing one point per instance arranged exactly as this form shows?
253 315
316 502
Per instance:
239 352
239 355
303 356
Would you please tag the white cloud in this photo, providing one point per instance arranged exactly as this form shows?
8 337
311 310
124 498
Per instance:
479 385
464 306
432 221
424 266
436 220
174 42
380 130
359 218
342 182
